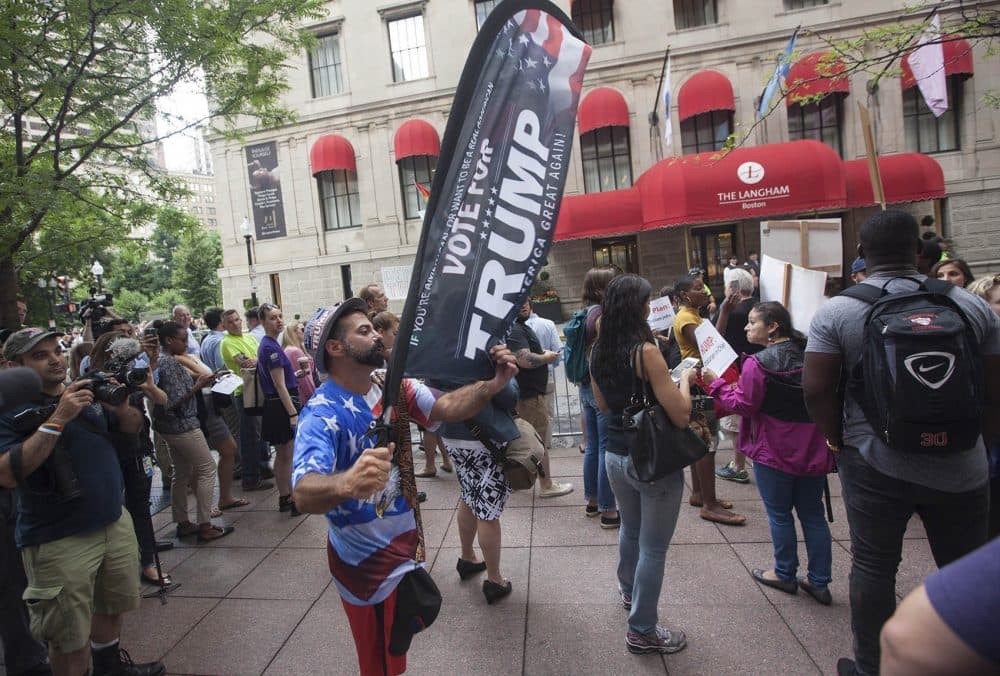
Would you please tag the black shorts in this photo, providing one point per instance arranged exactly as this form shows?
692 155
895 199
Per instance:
276 427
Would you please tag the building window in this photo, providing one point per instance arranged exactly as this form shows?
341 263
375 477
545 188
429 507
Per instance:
803 4
706 132
595 19
338 195
408 46
325 67
212 222
413 170
607 159
818 121
210 211
926 133
693 13
483 9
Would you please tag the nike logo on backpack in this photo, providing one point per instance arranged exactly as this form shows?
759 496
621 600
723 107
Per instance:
924 362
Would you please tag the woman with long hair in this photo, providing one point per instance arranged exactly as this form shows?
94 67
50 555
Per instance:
791 458
293 341
988 288
281 402
596 488
691 297
648 509
952 270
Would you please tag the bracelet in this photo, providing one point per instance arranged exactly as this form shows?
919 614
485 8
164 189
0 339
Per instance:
293 415
832 446
54 430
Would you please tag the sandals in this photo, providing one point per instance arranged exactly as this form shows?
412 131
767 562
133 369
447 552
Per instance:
449 468
729 519
185 530
494 592
213 533
426 474
164 582
237 502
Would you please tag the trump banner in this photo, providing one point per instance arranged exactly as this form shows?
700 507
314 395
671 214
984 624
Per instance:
495 197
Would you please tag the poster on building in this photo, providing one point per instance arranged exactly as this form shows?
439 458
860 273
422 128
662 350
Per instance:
265 190
396 281
493 206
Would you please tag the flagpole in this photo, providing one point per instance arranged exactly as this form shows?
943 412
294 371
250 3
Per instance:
655 142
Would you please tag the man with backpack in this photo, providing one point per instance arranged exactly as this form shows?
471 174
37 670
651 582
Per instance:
920 388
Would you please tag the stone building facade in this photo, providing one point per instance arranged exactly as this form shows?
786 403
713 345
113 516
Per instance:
373 97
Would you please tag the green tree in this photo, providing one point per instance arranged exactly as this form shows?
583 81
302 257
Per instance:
131 304
196 264
79 81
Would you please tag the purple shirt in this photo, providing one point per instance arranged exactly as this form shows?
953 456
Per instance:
797 448
271 356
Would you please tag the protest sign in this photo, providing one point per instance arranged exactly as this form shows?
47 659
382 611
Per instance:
716 354
661 314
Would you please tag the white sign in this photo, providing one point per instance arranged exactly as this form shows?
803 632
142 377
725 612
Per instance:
227 384
661 314
396 281
804 292
818 239
716 353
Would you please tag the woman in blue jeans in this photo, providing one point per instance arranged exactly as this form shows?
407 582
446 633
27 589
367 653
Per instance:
791 458
596 488
648 509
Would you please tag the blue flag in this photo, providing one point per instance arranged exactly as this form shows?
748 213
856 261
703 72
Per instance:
780 73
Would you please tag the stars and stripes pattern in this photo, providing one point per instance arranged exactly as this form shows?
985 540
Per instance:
544 43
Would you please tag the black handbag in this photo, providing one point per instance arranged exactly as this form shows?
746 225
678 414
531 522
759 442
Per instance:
656 447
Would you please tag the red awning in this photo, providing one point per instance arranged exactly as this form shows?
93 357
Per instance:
332 152
703 92
599 214
816 73
784 178
416 137
957 61
910 177
603 107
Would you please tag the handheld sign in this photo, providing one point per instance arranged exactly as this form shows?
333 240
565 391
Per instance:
661 314
716 354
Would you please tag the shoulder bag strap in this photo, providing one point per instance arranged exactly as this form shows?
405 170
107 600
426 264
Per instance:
647 394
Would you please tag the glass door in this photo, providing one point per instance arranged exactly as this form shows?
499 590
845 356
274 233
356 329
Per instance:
620 253
711 250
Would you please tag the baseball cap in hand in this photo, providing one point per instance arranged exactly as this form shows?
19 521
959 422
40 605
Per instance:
320 326
24 340
858 265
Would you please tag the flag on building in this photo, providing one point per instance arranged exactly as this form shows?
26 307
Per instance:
778 77
668 130
927 64
424 192
495 198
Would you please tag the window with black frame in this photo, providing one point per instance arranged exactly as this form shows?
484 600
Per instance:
928 134
408 47
413 170
483 9
694 13
804 4
607 159
820 121
339 199
325 72
706 132
595 19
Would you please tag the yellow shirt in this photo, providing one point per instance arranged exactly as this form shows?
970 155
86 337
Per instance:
231 346
686 316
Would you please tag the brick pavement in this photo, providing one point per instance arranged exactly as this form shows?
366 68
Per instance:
261 601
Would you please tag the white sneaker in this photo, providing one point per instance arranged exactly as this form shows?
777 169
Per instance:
555 490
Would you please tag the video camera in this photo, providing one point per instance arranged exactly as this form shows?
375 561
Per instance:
93 307
105 388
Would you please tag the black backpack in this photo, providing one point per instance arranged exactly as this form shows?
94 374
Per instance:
918 378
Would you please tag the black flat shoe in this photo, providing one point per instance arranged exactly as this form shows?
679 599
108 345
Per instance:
821 595
421 496
494 592
467 569
164 545
787 586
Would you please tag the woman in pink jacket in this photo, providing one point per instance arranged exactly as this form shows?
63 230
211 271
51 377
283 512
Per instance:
791 459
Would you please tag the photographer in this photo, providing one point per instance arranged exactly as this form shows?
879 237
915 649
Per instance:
136 473
61 456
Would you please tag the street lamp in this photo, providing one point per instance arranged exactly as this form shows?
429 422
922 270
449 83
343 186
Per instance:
98 271
245 229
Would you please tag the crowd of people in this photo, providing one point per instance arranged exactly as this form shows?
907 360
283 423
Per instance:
294 406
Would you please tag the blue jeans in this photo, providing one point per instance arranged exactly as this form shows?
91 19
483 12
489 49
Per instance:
595 474
782 492
649 515
878 509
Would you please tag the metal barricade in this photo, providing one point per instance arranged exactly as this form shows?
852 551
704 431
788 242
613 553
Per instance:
566 418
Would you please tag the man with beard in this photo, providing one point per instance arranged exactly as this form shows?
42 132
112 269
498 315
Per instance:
338 471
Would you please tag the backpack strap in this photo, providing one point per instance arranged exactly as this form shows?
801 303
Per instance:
938 286
863 292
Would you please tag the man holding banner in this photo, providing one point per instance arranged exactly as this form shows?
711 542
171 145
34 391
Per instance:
373 538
